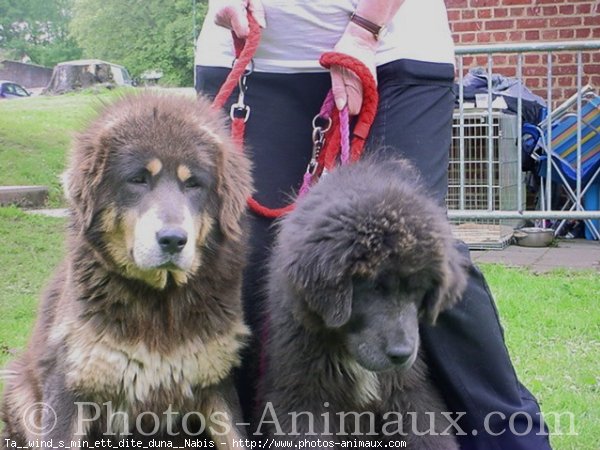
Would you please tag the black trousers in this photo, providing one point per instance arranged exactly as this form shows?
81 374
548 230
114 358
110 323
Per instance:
466 349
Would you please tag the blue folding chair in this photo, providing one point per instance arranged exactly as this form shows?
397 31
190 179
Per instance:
562 155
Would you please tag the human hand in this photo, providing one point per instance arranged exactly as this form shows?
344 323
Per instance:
233 14
345 85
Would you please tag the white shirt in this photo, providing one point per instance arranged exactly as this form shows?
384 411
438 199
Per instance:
299 31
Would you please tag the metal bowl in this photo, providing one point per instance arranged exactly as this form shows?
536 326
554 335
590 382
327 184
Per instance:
534 237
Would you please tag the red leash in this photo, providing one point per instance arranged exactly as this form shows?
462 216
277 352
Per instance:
327 144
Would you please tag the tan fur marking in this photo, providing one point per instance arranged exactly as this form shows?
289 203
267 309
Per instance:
154 166
183 172
104 364
119 241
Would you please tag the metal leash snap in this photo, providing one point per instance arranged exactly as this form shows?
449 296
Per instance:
240 110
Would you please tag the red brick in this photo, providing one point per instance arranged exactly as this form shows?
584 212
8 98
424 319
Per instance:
534 11
466 26
549 10
517 12
480 3
468 14
457 4
500 25
515 36
569 69
500 36
596 33
567 33
532 59
533 82
566 9
593 68
485 13
534 70
565 22
565 58
453 15
553 2
531 23
592 21
549 34
516 2
532 35
500 12
584 9
484 38
467 38
583 33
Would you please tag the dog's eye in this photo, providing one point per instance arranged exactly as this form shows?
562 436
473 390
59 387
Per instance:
140 178
193 183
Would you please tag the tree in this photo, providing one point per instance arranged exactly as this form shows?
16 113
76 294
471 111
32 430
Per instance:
139 34
38 30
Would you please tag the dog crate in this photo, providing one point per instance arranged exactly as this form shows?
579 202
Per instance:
484 154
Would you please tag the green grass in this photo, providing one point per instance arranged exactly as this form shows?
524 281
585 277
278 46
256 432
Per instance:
35 134
552 328
552 322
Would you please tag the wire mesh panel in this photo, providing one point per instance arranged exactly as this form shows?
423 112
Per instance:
487 177
485 150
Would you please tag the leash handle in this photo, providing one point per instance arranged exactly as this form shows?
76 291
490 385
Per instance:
369 107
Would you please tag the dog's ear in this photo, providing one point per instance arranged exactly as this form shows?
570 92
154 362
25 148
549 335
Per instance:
84 175
332 302
450 280
317 273
234 186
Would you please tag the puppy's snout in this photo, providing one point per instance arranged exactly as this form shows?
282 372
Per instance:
399 354
172 240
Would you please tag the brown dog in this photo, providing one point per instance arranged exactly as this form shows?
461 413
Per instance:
142 323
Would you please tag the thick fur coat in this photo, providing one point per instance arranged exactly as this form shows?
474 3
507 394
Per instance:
357 265
142 323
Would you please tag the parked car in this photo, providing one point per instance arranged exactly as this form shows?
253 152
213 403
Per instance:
8 89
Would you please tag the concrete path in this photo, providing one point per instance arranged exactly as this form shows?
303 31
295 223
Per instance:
577 254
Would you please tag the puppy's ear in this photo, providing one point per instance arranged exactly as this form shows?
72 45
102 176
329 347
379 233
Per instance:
332 302
234 186
317 274
449 285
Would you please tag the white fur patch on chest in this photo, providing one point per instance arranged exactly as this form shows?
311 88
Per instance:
101 365
367 387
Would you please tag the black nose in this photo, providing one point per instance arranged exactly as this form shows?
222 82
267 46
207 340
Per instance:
171 240
399 354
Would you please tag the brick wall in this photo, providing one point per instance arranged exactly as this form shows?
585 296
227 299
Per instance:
519 21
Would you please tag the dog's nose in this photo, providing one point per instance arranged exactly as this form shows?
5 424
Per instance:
172 240
399 354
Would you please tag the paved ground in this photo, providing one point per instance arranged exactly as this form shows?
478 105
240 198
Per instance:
576 254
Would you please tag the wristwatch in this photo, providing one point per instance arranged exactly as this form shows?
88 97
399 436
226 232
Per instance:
376 30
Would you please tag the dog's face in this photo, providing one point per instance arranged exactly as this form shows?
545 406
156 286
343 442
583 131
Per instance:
382 332
369 256
151 180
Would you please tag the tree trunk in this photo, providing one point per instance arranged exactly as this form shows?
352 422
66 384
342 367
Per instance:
67 77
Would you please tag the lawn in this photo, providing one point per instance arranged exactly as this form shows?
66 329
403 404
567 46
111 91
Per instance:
35 134
552 321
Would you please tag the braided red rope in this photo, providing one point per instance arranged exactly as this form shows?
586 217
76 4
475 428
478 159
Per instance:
245 51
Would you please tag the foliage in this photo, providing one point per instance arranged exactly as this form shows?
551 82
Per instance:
38 30
140 35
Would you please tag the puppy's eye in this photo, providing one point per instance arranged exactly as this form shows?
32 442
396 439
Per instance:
139 179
